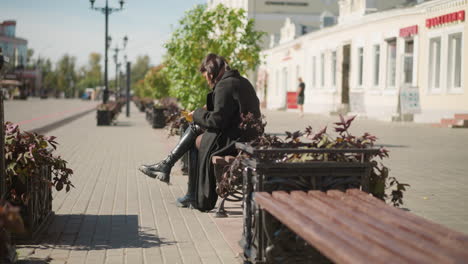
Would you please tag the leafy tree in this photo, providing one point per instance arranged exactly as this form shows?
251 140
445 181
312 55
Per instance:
66 74
49 82
221 30
140 68
29 58
90 76
156 81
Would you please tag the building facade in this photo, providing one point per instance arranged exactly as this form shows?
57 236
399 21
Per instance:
19 81
270 15
14 48
405 62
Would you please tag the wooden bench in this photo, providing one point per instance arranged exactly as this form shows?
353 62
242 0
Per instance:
221 164
354 227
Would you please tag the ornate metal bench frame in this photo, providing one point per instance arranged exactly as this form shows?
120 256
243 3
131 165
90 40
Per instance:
261 232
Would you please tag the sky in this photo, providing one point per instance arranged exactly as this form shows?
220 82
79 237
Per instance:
57 27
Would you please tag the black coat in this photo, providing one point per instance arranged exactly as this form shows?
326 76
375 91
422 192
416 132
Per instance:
231 96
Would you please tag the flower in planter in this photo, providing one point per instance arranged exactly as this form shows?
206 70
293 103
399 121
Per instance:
26 154
379 181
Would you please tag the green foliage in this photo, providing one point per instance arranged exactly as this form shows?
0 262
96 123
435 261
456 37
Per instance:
140 90
156 81
224 31
29 58
139 69
90 76
48 74
154 85
66 75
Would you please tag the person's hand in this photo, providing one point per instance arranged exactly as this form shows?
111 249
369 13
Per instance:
188 116
205 107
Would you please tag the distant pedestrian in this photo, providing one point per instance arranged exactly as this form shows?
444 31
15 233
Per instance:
300 96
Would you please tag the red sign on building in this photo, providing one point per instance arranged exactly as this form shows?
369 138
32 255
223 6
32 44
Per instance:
408 31
445 19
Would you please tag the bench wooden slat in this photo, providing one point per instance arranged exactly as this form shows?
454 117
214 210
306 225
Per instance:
371 241
391 236
331 243
460 237
342 225
446 239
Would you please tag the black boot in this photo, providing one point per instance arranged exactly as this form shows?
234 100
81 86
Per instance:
189 199
162 169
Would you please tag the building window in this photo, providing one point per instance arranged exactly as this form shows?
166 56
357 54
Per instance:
360 66
376 65
328 21
434 63
278 83
454 61
322 69
298 72
408 62
391 63
285 80
333 68
314 71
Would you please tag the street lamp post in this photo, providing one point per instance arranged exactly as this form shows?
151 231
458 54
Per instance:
106 11
117 63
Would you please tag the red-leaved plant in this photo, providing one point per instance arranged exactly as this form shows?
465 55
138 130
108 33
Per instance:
25 153
380 181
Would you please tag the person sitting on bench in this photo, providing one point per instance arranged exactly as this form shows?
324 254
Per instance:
215 129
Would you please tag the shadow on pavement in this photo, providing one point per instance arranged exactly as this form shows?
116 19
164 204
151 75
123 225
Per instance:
99 232
34 261
123 124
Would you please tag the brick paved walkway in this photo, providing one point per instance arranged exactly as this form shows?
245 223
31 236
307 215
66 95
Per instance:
34 113
117 215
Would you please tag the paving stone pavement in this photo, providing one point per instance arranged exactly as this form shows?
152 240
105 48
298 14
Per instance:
117 215
34 113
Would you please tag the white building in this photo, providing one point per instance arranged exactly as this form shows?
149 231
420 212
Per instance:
270 15
376 63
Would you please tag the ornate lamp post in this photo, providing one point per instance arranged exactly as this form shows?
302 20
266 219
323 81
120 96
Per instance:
117 63
106 11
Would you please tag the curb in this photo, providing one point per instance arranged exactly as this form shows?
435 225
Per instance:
62 122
